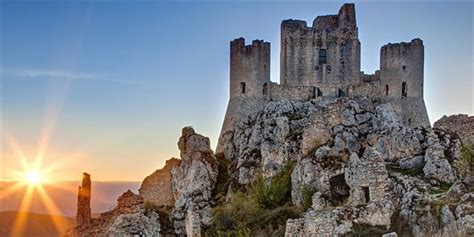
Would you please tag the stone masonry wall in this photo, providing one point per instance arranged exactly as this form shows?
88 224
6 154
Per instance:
301 45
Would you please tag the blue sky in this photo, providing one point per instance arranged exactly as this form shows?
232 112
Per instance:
113 83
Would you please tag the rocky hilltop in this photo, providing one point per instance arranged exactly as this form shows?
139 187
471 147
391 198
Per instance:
315 168
462 124
330 151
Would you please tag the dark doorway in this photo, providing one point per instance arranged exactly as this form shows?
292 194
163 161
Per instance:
339 189
242 87
366 194
404 89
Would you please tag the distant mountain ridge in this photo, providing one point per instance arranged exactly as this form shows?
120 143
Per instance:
64 195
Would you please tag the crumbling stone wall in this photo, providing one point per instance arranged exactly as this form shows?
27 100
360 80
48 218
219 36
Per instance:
156 188
300 93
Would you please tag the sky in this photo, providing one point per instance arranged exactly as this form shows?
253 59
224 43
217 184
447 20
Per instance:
105 87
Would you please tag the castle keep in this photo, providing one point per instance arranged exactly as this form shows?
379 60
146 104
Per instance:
322 62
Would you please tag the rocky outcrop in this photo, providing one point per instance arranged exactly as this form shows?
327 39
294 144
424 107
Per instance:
366 170
83 216
156 188
192 183
461 124
129 218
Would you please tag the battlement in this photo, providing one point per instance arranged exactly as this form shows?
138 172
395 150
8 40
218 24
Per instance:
401 48
238 45
345 19
249 68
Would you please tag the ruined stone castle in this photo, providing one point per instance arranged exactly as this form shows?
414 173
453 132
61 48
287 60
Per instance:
322 63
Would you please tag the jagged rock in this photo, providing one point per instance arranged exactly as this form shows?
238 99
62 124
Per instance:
319 202
192 182
437 167
129 218
156 188
390 175
315 135
391 234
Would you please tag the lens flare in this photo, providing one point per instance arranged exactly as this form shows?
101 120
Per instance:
33 178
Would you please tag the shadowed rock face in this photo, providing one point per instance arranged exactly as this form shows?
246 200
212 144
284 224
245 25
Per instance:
156 188
83 216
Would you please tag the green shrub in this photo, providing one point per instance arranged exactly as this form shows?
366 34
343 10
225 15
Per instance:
223 179
467 154
443 187
295 133
239 214
436 207
410 172
295 117
307 196
274 192
266 205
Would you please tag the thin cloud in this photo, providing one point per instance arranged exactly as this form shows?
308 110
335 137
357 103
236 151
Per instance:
64 75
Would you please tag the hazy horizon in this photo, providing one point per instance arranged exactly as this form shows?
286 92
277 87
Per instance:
105 88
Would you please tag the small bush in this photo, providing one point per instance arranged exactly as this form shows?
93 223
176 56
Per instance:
295 133
443 187
223 179
274 192
307 196
436 207
266 205
241 213
410 172
467 154
295 117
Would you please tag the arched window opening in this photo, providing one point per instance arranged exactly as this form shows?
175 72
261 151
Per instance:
242 87
404 89
322 56
265 89
386 90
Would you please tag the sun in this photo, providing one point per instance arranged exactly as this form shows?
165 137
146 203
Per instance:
33 178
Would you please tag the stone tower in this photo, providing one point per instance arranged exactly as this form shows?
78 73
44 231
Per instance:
326 55
249 81
401 81
83 216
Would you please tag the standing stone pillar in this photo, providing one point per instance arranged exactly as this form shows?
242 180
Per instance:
83 216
